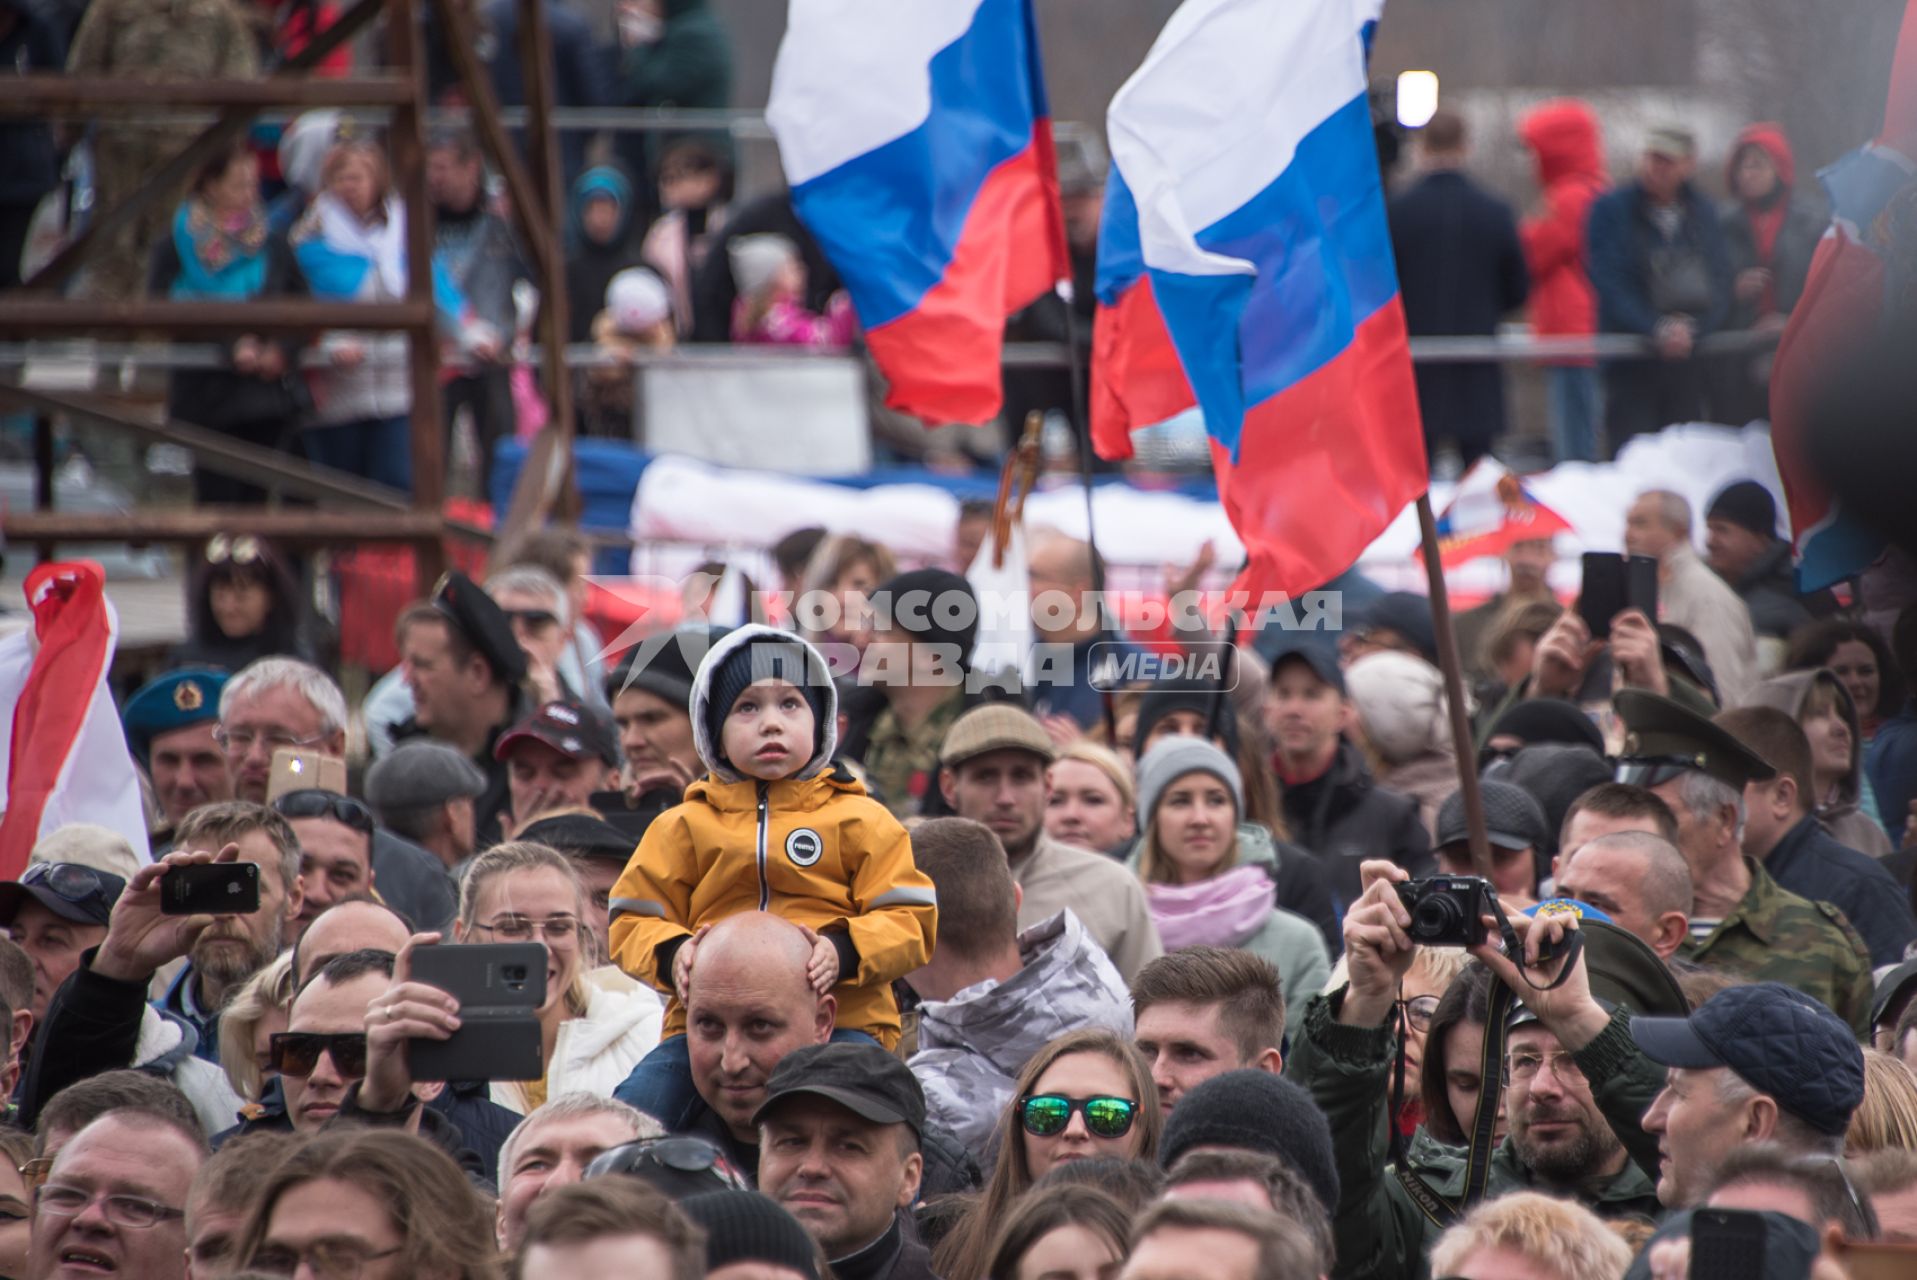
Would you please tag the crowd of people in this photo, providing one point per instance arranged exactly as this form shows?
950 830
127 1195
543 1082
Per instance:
858 965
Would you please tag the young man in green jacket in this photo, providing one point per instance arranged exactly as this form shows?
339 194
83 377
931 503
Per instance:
1577 1084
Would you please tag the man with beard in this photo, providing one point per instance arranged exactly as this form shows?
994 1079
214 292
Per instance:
169 727
235 947
1577 1082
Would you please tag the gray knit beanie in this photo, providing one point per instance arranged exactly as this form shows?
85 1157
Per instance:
1171 759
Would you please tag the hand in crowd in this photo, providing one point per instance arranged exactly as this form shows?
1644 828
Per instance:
822 969
1559 663
683 958
347 355
1751 283
1061 728
1568 1011
1180 580
409 1010
543 678
141 938
246 354
1635 656
636 780
1378 949
1675 337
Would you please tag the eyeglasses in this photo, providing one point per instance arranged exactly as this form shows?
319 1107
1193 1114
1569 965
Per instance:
75 883
297 1053
1525 1066
534 618
1047 1114
1850 1189
1418 1011
63 1201
223 549
35 1171
312 803
237 742
327 1259
521 929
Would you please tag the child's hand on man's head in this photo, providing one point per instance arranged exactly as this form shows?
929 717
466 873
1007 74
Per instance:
822 970
682 960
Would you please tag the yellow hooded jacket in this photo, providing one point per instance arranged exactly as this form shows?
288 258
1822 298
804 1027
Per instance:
812 848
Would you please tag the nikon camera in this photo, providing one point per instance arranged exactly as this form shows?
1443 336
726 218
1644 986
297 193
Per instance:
1448 911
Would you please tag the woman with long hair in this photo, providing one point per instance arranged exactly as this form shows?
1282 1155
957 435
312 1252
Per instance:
596 1024
1857 655
1071 1231
1210 881
1088 1093
247 1025
245 605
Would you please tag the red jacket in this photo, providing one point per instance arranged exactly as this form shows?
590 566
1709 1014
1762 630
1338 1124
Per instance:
1563 137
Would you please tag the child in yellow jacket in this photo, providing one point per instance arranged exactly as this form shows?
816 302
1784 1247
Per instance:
773 826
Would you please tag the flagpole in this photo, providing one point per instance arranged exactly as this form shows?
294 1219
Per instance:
1082 432
1462 744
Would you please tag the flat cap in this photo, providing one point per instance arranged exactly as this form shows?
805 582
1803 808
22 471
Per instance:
1512 819
996 726
421 773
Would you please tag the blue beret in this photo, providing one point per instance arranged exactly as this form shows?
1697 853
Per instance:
174 701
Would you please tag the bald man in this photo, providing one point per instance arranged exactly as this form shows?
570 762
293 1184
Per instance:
1638 879
1077 646
749 1005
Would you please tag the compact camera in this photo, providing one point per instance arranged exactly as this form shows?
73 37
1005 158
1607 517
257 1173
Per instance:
1448 911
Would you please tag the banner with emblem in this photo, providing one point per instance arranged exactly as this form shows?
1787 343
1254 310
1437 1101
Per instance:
65 758
1491 510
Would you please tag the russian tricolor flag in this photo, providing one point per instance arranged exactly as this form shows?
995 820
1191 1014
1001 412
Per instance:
1244 266
916 139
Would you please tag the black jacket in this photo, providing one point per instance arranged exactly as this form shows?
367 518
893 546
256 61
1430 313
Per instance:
1810 863
221 399
29 163
713 289
893 1256
1640 276
1460 270
1345 817
1791 253
1769 590
462 1121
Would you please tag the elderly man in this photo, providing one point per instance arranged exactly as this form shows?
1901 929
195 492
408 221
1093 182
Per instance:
551 1148
1690 595
840 1130
58 909
993 995
464 665
1758 1063
1782 832
992 770
424 791
555 759
169 728
1639 880
282 702
1742 920
146 1165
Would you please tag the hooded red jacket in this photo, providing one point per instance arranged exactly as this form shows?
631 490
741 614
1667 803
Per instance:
1563 137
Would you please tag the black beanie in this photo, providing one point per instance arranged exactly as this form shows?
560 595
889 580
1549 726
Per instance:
1256 1111
929 606
1747 504
1161 700
760 658
744 1226
1548 720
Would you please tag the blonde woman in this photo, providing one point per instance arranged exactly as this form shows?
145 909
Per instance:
1887 1117
255 1013
597 1022
1528 1234
1093 803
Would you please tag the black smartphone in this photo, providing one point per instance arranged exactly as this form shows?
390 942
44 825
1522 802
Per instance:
1727 1244
212 888
1612 584
499 986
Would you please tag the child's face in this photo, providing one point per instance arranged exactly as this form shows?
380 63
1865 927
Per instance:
600 219
768 733
789 282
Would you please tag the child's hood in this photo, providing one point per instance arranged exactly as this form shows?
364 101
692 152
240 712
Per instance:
702 740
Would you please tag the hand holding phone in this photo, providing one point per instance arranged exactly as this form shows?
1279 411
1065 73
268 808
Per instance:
406 1012
212 888
141 935
1613 583
496 990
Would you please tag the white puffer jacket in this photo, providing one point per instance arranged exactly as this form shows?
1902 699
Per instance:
594 1053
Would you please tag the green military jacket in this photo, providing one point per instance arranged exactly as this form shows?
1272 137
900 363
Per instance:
1775 936
1379 1231
902 764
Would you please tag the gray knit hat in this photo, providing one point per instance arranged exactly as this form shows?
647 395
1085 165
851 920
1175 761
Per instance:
1171 759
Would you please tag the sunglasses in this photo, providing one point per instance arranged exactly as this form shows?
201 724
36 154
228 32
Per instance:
297 1053
244 549
1047 1114
74 882
534 618
312 803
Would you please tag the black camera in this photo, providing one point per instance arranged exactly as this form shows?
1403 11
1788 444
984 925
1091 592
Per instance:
1448 911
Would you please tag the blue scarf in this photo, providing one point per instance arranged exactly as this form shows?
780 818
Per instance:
241 272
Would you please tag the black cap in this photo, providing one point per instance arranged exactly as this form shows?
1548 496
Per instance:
1747 504
916 600
1664 738
1893 994
631 815
1169 695
70 890
1778 1040
1322 661
663 665
1512 819
862 1078
580 836
1547 720
573 729
1406 613
745 1226
484 624
1623 970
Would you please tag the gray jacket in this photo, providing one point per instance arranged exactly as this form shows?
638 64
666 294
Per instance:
972 1046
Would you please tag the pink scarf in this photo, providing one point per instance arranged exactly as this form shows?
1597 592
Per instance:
1220 912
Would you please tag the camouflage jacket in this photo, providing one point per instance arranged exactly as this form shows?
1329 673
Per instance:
165 40
900 763
1775 936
